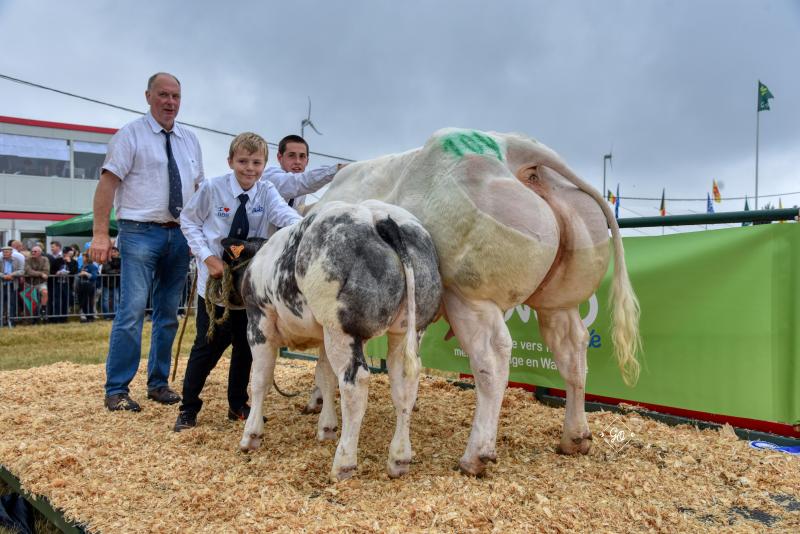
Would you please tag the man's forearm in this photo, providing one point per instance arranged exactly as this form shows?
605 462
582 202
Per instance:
103 200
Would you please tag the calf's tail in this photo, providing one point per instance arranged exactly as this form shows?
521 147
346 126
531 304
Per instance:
390 233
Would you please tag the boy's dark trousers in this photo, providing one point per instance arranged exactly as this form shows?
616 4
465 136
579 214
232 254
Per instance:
205 355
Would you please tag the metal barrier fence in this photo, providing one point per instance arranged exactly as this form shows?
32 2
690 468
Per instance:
23 300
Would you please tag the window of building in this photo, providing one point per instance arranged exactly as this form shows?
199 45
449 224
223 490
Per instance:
89 159
33 156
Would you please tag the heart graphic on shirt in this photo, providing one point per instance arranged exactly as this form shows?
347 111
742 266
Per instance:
226 210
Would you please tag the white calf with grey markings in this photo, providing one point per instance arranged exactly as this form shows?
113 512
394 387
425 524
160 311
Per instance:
345 274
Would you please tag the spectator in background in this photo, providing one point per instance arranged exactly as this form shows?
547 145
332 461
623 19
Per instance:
58 288
86 288
109 282
16 250
13 268
37 271
20 247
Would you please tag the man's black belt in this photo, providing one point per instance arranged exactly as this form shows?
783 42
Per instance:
170 224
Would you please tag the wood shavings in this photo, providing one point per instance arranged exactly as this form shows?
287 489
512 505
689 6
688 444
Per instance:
126 472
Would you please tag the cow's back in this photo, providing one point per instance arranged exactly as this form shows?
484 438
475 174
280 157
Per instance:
496 239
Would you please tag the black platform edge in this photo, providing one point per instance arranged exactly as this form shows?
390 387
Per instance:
42 505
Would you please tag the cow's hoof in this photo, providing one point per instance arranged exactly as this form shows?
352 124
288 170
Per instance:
250 442
343 473
476 468
577 445
397 468
312 407
327 434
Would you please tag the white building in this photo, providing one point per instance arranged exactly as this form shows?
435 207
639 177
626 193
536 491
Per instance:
48 173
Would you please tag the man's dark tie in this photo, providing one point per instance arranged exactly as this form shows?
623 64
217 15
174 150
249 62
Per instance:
240 226
175 188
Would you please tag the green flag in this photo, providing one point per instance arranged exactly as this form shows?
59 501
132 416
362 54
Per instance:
763 96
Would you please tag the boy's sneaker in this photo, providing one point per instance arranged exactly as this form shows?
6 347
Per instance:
241 414
121 401
185 420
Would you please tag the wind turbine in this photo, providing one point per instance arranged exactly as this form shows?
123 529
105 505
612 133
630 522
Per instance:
307 122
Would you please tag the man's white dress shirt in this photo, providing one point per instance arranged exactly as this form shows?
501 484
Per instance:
137 155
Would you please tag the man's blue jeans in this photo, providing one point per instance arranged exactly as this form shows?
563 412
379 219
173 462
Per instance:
157 258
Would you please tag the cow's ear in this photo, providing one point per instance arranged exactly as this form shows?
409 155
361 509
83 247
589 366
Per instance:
232 248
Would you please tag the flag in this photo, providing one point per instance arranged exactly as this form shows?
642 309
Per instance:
616 204
780 207
746 208
709 205
715 190
611 198
663 209
764 95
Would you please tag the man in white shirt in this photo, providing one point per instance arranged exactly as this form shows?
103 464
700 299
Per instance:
152 168
291 179
16 250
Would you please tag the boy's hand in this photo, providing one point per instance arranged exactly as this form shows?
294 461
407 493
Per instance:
215 266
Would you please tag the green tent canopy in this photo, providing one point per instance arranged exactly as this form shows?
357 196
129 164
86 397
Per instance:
80 226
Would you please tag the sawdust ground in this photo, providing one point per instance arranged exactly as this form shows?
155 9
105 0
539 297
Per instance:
126 472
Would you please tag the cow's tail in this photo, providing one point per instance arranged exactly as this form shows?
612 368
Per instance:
623 301
390 232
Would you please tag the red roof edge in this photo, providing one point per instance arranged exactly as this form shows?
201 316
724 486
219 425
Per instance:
58 125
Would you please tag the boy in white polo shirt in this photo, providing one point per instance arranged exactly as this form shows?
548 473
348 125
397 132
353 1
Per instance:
239 205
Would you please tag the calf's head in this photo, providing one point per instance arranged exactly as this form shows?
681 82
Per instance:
236 254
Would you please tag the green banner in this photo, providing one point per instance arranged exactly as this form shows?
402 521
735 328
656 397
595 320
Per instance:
720 326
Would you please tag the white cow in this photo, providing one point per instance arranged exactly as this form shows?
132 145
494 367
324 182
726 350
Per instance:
512 224
343 275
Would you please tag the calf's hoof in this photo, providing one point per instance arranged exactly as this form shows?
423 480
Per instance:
579 444
250 442
327 433
397 468
343 473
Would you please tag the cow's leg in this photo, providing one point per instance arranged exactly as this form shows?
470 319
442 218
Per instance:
404 395
314 404
326 385
346 356
483 334
265 353
565 334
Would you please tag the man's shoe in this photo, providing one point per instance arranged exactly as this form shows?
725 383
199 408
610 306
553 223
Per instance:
185 420
241 414
163 395
121 401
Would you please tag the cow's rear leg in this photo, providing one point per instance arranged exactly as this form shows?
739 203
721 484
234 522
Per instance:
326 384
404 395
483 334
264 356
567 337
346 356
314 404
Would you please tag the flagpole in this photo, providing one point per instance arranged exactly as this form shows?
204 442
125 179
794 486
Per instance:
758 115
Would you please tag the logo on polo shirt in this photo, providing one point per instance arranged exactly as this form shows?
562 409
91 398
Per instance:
258 209
222 211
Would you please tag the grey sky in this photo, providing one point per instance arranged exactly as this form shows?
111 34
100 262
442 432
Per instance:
671 86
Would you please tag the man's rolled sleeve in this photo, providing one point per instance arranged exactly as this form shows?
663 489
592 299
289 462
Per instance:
120 154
